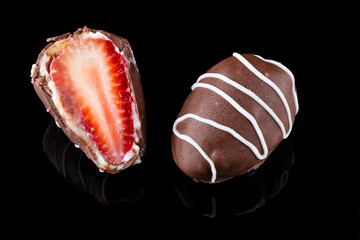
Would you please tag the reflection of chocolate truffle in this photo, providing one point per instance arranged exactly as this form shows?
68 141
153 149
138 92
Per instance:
90 84
241 194
236 115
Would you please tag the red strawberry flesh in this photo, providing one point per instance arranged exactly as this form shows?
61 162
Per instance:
91 81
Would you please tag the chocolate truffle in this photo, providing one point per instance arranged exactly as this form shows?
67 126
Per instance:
235 116
89 82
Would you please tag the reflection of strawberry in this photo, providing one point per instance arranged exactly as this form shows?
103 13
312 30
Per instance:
90 77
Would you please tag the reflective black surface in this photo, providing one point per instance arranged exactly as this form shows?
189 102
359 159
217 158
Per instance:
310 187
237 196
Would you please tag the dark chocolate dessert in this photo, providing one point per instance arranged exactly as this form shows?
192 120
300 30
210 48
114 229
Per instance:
236 115
89 82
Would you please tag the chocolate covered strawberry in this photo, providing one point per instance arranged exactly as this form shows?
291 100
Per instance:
89 82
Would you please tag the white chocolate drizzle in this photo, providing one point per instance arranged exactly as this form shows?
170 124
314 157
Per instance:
240 110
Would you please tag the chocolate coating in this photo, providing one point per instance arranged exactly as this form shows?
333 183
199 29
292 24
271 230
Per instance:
231 157
40 83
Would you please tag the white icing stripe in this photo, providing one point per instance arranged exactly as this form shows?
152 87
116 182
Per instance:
192 142
250 94
289 73
240 110
269 82
245 114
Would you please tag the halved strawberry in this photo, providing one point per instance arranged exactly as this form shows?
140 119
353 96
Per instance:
91 81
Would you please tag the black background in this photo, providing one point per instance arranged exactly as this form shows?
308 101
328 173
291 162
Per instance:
173 44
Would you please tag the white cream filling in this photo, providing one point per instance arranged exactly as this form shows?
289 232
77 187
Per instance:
100 158
32 71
